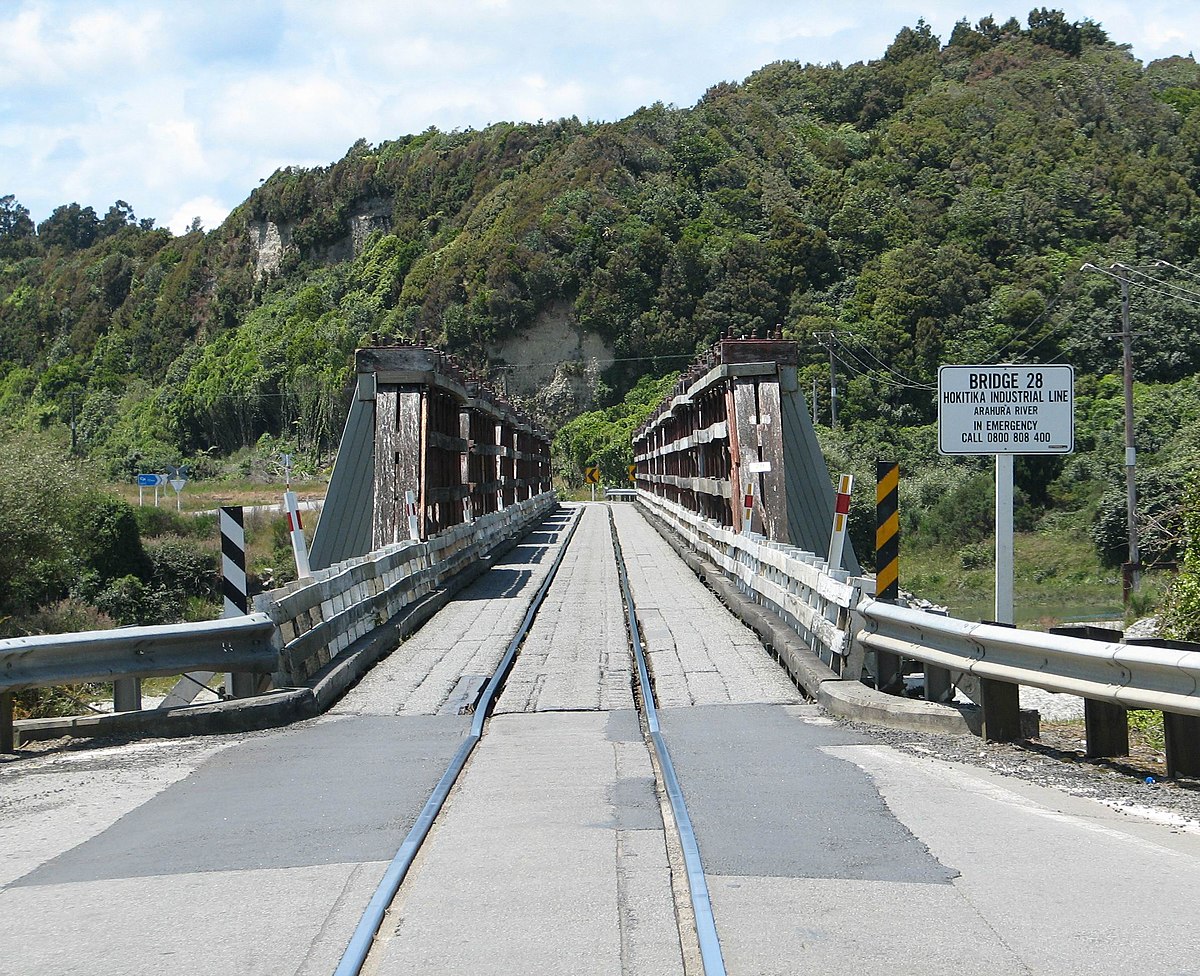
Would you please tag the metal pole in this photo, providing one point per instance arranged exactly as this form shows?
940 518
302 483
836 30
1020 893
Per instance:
8 738
1004 539
833 390
74 397
1130 449
814 402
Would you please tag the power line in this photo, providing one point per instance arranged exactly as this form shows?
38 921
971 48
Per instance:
1050 307
1138 284
1158 281
866 349
851 359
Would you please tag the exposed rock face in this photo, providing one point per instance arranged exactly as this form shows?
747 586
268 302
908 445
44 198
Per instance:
270 242
555 366
369 216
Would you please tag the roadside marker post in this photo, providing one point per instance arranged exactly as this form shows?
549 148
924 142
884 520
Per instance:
889 668
887 530
841 516
296 533
233 593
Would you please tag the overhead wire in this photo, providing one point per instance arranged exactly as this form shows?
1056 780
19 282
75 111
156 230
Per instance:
1190 295
1028 329
1130 281
852 361
907 381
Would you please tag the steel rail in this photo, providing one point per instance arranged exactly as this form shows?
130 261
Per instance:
359 947
706 925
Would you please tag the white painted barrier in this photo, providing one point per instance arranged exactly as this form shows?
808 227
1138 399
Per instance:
834 613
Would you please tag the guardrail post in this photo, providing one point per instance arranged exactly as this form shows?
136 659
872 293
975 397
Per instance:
939 685
1106 729
127 694
1182 732
8 739
1106 724
1000 704
1001 707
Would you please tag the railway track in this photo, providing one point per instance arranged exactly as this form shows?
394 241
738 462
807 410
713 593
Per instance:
696 926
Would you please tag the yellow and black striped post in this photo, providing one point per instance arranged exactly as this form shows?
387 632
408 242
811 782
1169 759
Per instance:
889 673
887 530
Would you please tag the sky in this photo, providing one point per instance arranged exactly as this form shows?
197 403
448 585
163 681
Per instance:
182 108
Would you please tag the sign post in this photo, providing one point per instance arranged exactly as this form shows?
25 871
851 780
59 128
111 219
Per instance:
177 478
592 477
1005 411
154 481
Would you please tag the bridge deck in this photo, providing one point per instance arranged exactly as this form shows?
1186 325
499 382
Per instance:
823 850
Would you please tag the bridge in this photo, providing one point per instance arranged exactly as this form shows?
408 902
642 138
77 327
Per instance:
519 736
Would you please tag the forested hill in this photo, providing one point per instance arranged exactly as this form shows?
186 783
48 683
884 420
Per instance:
934 205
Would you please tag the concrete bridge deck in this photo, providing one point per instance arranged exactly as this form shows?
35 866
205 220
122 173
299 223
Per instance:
823 849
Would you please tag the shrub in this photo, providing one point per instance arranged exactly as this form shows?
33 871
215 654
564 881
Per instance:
182 565
109 540
1181 611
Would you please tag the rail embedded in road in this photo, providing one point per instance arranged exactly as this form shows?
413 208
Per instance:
359 948
706 926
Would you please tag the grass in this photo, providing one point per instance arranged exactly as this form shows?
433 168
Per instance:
201 496
1057 578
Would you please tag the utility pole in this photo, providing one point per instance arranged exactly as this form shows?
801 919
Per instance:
1132 571
1133 576
74 398
833 390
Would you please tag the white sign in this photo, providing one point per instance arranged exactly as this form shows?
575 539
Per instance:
1006 409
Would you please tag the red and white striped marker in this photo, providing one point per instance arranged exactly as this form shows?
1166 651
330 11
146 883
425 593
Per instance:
841 513
296 532
747 508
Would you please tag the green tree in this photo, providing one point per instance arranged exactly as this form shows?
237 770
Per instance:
16 227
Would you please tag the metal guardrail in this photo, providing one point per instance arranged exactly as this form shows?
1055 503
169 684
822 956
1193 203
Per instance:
321 617
297 630
236 644
841 621
1128 675
796 585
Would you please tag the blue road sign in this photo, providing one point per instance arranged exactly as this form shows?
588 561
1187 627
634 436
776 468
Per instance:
148 480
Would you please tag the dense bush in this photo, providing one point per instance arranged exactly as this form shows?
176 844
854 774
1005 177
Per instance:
604 438
1182 612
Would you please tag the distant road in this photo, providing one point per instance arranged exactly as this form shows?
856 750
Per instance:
313 505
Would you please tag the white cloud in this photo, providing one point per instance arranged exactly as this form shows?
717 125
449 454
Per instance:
174 108
210 210
57 50
290 112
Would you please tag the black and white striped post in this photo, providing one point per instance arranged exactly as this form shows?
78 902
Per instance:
233 587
